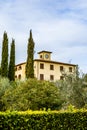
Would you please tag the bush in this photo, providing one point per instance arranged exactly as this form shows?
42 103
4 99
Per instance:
43 120
73 91
32 94
4 86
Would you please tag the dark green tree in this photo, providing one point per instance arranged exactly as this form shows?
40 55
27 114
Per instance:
77 72
11 71
0 70
30 58
4 61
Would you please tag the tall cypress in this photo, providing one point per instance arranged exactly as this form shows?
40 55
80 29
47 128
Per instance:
11 71
4 60
30 58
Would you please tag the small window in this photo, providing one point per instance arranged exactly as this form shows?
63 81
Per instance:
19 68
51 77
61 68
19 76
41 66
51 67
61 78
70 69
41 76
41 56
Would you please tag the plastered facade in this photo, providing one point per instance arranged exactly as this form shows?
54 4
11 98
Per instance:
45 68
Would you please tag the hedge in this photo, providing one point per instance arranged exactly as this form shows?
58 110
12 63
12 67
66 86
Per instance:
43 120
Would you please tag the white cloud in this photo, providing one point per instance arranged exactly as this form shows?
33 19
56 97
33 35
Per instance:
58 26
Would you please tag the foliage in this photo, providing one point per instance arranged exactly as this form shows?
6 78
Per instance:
30 55
73 91
4 62
0 70
11 71
32 94
77 72
4 85
44 120
36 95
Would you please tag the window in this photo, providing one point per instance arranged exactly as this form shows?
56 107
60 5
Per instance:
51 67
61 78
70 69
19 76
51 77
41 56
19 68
61 68
41 66
41 76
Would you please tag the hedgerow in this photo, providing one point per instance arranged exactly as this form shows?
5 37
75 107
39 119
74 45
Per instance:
44 120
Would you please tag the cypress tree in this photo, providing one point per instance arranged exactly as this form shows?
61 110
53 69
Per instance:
11 71
4 61
77 72
30 58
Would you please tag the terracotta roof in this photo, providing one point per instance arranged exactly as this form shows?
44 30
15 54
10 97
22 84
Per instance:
44 51
55 62
21 63
48 61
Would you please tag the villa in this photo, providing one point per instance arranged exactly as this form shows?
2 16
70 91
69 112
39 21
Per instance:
45 68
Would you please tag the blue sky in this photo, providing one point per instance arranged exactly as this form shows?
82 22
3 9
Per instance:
59 26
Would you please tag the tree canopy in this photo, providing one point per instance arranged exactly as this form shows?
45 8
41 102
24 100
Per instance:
32 94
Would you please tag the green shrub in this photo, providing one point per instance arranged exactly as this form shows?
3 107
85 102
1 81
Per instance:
4 86
43 120
32 94
73 91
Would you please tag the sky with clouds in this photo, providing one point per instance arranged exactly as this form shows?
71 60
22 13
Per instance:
59 26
